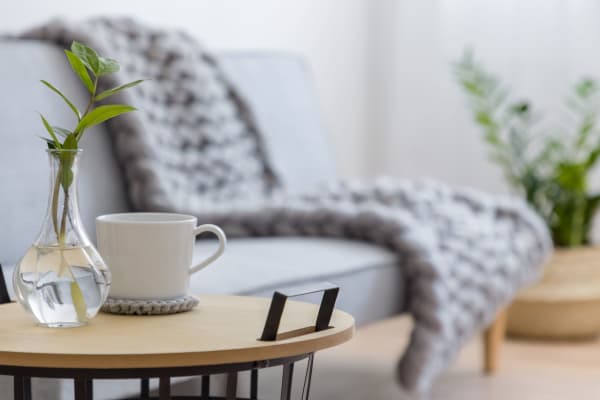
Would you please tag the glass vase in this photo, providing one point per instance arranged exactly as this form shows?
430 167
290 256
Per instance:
62 280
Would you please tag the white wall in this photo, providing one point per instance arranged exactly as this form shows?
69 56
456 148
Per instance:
332 34
383 66
420 123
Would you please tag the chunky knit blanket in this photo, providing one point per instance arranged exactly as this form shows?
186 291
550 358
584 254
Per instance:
193 147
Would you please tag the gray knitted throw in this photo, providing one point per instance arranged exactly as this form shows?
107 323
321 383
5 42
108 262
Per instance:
194 148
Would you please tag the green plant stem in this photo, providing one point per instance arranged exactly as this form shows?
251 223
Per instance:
59 231
577 236
63 220
76 293
55 193
89 106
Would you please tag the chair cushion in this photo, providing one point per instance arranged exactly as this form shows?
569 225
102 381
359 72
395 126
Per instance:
370 277
250 265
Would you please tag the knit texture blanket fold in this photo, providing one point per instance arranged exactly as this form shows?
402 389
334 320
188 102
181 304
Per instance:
193 147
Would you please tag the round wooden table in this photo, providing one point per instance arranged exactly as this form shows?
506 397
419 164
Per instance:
224 334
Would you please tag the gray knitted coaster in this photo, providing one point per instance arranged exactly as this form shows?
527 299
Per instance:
149 307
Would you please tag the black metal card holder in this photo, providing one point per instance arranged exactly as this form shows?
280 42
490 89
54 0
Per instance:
4 297
330 293
270 331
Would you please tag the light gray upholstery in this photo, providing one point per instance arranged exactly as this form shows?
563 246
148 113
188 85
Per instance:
370 277
280 90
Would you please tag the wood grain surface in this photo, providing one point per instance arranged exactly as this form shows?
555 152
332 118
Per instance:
221 330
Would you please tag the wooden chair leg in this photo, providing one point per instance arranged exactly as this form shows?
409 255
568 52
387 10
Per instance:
492 343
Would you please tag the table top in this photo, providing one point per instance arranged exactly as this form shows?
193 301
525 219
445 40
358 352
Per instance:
221 330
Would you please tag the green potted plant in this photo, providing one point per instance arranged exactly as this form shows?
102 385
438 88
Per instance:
62 280
551 170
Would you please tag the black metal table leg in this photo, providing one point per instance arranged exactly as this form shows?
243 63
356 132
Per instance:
27 387
286 381
308 377
205 387
22 387
145 388
254 384
90 389
18 387
83 378
231 392
164 388
83 389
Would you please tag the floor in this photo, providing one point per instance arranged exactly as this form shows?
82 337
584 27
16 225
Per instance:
362 369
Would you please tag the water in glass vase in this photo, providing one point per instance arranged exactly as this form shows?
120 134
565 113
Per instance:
62 280
62 286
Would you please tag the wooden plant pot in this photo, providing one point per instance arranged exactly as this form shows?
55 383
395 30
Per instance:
565 303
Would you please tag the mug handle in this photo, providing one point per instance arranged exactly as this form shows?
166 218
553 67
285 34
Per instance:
222 242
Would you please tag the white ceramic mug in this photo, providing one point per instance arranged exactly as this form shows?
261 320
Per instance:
150 254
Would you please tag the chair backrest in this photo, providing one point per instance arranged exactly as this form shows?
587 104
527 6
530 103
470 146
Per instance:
281 91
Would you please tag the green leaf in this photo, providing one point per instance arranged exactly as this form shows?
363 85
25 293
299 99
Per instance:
472 88
586 128
70 142
592 158
50 131
492 138
58 92
107 66
61 131
592 203
66 176
586 87
80 69
66 162
520 108
87 55
101 114
117 89
483 118
49 142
